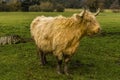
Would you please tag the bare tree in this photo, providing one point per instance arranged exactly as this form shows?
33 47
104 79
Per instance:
14 5
93 5
116 6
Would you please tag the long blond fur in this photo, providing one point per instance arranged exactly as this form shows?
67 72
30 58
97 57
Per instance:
59 35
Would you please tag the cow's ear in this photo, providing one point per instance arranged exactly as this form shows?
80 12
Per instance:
78 16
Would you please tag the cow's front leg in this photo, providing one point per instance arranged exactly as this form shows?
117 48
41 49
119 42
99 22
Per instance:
59 64
66 61
59 67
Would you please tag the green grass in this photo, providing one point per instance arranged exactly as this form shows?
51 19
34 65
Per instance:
97 58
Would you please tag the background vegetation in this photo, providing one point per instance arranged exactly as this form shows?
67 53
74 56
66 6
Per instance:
57 5
97 58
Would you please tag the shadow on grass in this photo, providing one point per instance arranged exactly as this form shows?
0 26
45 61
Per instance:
82 68
48 72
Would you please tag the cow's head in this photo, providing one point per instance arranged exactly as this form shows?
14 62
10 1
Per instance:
88 20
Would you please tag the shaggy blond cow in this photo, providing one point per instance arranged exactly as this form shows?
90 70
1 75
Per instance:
61 36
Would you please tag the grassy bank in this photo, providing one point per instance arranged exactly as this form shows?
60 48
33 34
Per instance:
97 58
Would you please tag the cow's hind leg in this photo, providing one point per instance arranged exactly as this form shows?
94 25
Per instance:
45 59
42 56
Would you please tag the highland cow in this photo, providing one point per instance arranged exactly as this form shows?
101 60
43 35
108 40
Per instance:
61 35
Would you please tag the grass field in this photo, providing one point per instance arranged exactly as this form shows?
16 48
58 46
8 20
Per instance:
97 58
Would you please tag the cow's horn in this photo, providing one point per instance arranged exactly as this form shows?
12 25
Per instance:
83 13
98 11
